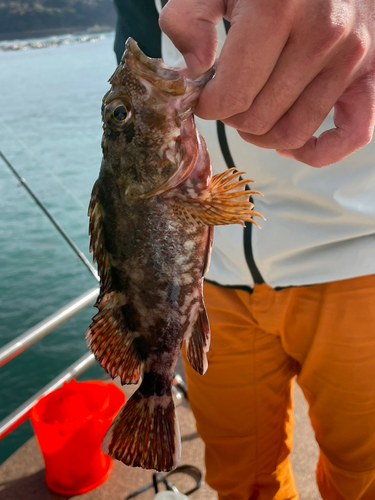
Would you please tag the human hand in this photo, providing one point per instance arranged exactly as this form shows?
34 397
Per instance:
284 65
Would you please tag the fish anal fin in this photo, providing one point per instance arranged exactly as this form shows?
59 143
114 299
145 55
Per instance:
111 341
198 344
224 201
145 433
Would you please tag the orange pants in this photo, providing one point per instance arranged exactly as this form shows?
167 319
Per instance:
324 334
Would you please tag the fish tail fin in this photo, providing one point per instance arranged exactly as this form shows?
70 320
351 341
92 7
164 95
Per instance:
145 433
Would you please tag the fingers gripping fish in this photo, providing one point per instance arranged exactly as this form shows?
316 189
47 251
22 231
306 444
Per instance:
152 213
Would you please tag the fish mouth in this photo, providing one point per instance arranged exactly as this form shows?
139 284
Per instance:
171 80
155 66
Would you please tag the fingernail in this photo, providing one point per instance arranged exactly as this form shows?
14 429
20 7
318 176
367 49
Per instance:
194 65
286 153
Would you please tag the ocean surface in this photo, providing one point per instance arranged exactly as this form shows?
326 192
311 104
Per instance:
50 130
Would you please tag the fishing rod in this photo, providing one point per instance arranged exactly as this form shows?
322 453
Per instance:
71 243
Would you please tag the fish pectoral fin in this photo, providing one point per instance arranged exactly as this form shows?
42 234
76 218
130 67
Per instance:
225 201
145 433
111 342
198 344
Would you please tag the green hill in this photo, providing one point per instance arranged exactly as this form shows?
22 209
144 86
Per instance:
21 18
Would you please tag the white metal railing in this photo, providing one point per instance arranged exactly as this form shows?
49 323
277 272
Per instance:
12 349
16 346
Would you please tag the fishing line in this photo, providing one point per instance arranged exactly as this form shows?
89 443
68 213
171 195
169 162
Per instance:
31 153
78 252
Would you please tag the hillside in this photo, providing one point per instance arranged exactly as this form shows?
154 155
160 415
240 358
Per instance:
20 18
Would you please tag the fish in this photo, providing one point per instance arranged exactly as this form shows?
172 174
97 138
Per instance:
152 214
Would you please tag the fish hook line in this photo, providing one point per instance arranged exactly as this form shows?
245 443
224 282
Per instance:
36 157
70 242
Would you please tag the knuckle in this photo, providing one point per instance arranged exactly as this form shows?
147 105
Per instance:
329 38
339 21
331 30
236 102
358 44
289 137
166 18
168 23
256 125
336 31
281 11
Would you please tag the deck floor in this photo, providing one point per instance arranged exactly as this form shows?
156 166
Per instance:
22 475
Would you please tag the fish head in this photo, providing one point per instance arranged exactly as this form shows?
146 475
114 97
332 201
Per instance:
149 131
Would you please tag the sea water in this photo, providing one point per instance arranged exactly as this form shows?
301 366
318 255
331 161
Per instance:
50 130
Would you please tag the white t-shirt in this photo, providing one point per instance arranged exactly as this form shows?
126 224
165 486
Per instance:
320 223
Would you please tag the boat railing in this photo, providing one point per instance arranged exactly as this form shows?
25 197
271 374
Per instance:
25 340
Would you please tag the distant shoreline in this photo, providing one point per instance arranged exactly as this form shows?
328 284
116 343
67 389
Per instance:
54 32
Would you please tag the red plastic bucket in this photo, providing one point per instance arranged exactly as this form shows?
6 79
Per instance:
70 424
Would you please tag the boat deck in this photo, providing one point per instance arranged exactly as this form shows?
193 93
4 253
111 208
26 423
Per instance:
22 474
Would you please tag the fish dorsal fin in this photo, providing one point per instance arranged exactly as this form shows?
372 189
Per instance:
198 343
100 255
111 342
224 201
108 336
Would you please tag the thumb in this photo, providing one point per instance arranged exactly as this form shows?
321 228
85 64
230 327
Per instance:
191 27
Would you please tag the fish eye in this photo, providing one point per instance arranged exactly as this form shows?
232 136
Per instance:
118 114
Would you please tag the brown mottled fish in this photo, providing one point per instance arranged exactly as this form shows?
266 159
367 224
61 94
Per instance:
152 213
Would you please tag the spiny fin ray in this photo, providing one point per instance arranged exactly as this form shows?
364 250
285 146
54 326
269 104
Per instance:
223 202
111 341
145 433
198 344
